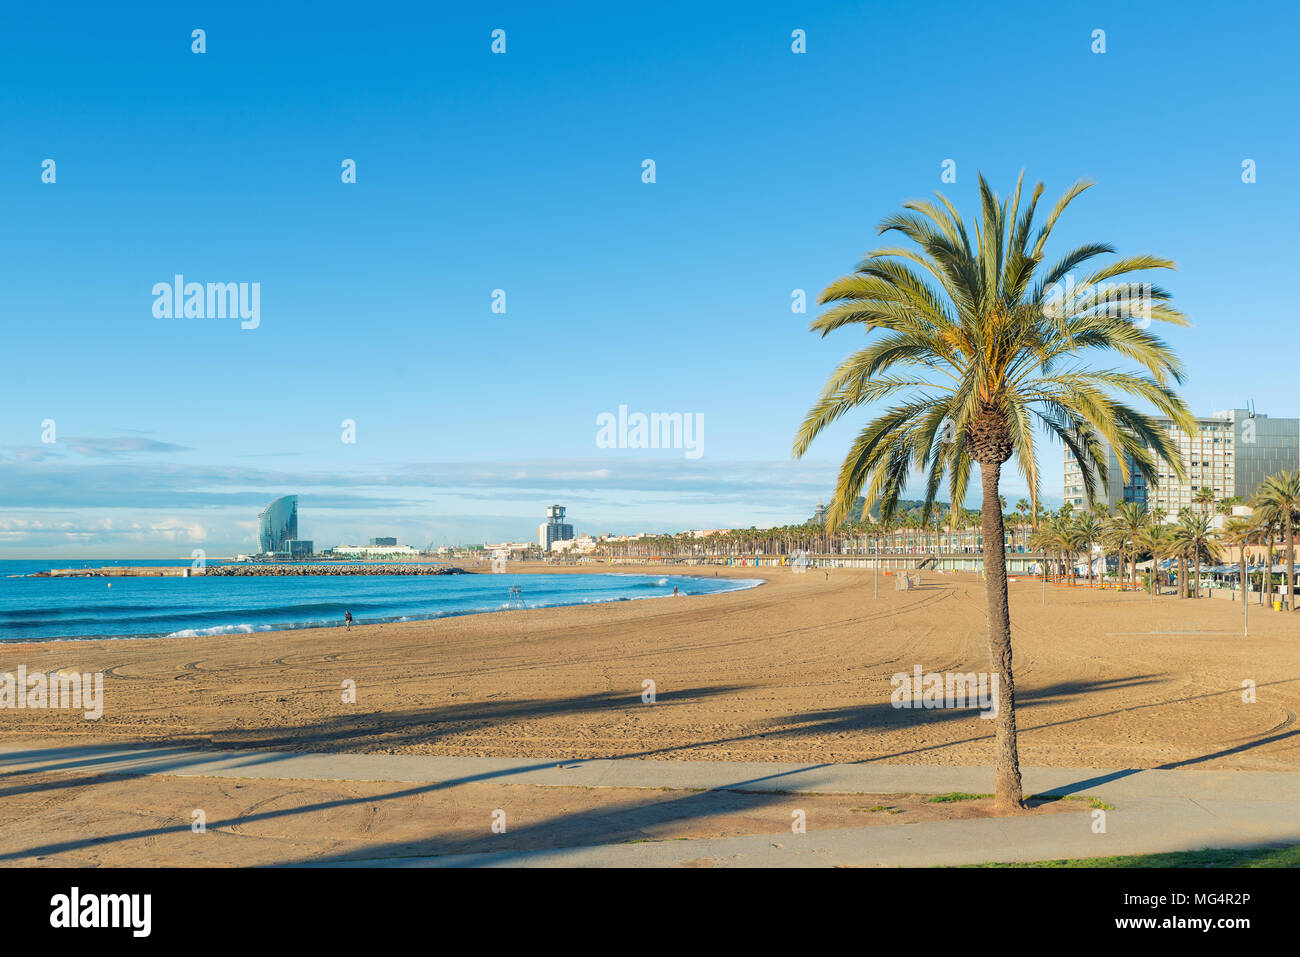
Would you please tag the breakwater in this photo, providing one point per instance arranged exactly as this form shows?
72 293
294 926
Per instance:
249 571
280 571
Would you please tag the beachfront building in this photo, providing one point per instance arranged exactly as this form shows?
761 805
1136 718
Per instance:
277 525
514 551
1231 453
554 529
582 545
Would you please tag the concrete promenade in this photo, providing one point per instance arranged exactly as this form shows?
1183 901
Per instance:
1154 810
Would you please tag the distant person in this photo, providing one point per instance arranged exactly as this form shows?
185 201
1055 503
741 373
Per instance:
674 591
347 620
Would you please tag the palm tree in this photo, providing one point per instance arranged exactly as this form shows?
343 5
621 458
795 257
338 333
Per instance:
1181 553
1023 508
1268 523
978 345
1238 533
1065 541
1087 532
1158 540
1204 497
1195 537
1048 538
886 526
1127 524
1280 495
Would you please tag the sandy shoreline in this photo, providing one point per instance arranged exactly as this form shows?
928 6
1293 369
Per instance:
795 670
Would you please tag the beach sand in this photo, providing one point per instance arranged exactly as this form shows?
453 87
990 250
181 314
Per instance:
795 670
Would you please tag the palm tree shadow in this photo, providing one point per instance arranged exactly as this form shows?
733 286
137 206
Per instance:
426 726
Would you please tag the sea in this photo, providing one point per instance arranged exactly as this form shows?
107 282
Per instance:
51 609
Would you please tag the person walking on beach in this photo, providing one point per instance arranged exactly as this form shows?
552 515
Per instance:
347 620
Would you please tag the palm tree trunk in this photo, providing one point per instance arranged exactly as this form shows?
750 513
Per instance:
1290 563
1007 789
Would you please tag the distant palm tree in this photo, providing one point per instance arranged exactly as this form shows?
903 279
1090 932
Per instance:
1204 497
1239 533
1087 532
1023 508
1049 539
1279 495
1067 537
979 345
1159 541
1180 552
1126 527
1195 537
1269 524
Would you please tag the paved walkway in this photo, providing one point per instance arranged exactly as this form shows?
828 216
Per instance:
1155 810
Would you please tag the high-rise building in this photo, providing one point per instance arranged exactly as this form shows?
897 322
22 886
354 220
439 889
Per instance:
383 541
1231 453
277 524
554 529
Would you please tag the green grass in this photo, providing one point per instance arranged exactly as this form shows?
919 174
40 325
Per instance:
1288 856
1095 803
953 796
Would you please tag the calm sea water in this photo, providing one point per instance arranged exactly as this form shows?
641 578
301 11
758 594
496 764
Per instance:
34 609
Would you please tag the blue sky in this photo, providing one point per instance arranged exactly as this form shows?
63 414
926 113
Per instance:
523 172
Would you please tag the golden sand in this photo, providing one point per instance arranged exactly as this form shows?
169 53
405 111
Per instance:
796 670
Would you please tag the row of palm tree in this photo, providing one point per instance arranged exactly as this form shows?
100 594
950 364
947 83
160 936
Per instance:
1131 534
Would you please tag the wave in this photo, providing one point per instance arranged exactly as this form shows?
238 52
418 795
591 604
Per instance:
228 615
223 630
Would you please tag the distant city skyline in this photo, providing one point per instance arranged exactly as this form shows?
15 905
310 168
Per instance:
434 350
